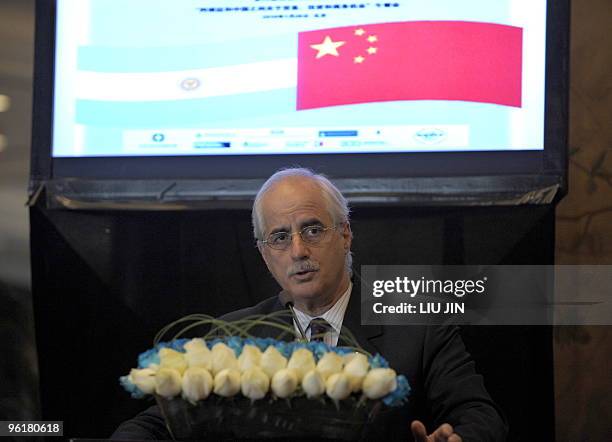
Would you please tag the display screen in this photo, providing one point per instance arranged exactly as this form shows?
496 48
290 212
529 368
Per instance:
267 77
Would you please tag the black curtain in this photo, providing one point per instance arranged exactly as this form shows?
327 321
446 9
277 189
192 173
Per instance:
105 282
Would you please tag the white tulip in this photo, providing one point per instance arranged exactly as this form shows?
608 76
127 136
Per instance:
254 383
227 382
284 382
357 369
348 357
338 386
329 364
302 361
197 354
250 357
168 382
271 361
144 379
195 345
379 382
313 384
169 358
223 358
197 384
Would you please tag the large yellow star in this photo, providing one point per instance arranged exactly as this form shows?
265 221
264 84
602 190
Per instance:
328 47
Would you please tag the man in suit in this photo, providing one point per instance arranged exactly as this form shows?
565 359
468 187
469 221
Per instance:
301 223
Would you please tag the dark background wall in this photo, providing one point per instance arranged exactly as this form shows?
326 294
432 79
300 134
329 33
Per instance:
18 364
583 358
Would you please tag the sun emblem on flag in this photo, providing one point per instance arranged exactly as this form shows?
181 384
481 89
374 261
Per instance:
190 84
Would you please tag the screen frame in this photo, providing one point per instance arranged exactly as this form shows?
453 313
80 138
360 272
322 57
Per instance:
551 162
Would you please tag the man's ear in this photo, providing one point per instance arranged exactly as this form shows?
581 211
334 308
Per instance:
261 247
347 236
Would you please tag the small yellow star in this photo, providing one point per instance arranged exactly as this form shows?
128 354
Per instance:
372 50
359 59
359 32
372 38
328 47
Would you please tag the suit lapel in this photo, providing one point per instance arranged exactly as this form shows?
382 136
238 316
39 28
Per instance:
266 331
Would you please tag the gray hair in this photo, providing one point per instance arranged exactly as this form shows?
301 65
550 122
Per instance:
337 205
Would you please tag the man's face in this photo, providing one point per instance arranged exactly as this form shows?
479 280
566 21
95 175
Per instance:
307 272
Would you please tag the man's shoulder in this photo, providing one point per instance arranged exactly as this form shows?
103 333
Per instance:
266 306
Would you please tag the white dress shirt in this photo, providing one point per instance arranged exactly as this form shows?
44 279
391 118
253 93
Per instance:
334 316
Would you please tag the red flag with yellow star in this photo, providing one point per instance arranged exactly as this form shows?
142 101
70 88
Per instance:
419 60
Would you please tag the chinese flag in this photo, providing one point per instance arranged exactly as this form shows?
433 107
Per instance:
419 60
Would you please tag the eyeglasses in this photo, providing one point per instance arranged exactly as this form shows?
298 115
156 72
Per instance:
311 235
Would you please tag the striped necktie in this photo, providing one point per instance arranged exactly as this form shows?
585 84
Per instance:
319 327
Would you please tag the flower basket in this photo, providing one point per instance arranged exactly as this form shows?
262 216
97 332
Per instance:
229 384
239 418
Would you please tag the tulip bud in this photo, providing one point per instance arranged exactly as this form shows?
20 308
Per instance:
356 370
227 382
169 358
144 379
379 382
313 384
329 364
197 384
197 354
195 345
223 358
338 386
284 382
302 361
271 361
168 382
348 357
250 357
254 383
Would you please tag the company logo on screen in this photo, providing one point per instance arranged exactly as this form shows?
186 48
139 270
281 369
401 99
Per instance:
430 136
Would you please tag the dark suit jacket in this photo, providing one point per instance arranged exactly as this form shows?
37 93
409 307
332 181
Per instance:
445 386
